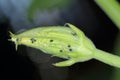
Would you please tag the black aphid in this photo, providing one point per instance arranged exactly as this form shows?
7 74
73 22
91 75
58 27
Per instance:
74 34
70 49
69 45
61 50
33 40
51 40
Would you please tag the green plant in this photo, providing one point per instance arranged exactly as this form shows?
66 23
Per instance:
112 9
62 41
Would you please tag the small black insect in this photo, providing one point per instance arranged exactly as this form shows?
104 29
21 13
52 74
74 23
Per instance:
74 34
61 50
51 40
33 40
70 49
69 45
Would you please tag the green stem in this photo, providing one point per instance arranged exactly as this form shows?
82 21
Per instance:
112 9
107 58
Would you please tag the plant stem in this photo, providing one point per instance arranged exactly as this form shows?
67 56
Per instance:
112 9
107 58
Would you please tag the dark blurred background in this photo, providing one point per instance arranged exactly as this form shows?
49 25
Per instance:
84 14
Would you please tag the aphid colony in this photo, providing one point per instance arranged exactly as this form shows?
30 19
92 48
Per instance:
65 42
60 41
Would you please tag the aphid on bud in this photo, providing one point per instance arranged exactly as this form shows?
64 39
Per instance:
57 41
62 41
